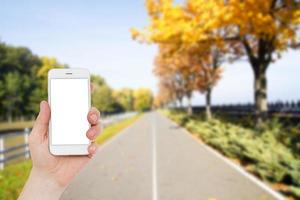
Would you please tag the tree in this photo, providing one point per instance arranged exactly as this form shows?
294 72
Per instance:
264 29
18 66
13 84
142 99
102 96
40 92
124 97
103 99
48 63
168 25
260 30
175 74
97 80
165 94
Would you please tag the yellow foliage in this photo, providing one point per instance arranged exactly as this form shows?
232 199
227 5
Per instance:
205 32
203 20
143 98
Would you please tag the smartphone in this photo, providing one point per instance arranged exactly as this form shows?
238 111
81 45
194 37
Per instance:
69 97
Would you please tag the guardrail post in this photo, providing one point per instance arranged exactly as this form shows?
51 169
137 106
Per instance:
1 154
26 134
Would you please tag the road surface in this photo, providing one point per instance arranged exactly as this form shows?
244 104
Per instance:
154 159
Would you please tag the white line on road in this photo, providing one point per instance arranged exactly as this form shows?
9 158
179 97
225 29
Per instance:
231 164
243 172
154 159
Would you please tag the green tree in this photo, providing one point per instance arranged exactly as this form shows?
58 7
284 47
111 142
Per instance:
12 82
97 80
18 67
103 99
102 96
124 97
48 63
40 91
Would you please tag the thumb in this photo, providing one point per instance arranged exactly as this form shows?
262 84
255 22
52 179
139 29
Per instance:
40 128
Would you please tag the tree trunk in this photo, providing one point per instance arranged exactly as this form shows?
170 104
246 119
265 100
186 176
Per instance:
208 104
260 95
189 109
9 114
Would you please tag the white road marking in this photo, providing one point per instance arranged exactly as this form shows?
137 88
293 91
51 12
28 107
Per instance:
243 172
154 159
236 167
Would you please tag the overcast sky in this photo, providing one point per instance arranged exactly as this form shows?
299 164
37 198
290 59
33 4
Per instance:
94 34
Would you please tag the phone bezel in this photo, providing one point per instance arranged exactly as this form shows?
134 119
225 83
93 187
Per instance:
68 73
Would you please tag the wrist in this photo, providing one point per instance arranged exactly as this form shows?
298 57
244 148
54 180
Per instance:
41 185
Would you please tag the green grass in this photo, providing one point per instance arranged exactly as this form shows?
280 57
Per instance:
14 176
112 130
6 126
270 153
12 180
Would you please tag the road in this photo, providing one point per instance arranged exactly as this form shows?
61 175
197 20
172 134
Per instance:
154 159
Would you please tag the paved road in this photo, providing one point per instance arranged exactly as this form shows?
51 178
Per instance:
154 159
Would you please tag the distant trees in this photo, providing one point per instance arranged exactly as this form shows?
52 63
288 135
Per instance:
18 80
125 98
182 71
102 96
108 100
24 82
142 99
222 31
40 92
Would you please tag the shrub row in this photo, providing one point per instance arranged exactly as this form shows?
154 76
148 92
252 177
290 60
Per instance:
267 153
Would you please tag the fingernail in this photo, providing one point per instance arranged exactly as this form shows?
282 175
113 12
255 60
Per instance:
94 117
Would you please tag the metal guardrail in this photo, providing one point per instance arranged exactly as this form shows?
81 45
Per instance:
15 151
22 150
290 109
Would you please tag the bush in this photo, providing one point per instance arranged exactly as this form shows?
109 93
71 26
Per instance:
270 153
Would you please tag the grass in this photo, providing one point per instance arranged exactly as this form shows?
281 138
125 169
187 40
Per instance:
12 180
6 126
14 176
271 153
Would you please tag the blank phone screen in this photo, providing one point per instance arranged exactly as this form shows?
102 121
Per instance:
69 108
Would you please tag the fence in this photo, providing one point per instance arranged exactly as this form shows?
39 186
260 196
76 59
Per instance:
22 149
14 152
284 108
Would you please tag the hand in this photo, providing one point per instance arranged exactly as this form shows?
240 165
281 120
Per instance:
54 172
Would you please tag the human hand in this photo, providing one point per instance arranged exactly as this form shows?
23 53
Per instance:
54 172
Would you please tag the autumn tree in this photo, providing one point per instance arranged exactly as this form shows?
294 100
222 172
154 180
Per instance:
165 94
264 29
142 99
260 30
199 61
208 71
175 74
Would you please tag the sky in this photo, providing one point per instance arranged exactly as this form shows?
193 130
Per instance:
94 34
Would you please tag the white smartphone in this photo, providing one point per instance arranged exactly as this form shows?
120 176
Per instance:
69 98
